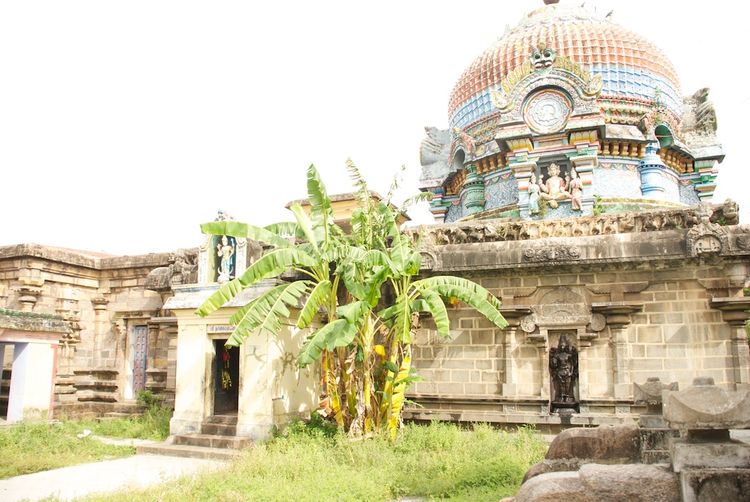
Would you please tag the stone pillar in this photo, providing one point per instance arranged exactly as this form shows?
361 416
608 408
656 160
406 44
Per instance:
735 312
256 414
510 341
100 311
543 348
618 320
193 382
32 381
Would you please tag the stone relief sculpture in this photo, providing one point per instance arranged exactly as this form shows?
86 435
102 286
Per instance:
533 195
225 252
699 119
466 141
434 152
575 188
563 369
554 189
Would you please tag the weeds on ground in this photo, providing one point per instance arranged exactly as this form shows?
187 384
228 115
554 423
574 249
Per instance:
153 424
27 448
313 462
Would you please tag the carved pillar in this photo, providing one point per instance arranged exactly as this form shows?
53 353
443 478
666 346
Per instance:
28 296
618 318
510 340
543 348
735 312
100 323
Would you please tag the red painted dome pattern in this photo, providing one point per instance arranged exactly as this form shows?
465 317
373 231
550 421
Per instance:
631 67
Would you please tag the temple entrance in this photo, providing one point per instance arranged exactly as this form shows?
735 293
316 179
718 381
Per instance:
226 378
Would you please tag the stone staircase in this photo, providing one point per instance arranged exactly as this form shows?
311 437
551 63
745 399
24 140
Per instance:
217 440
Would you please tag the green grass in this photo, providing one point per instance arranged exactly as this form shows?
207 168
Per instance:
27 448
153 424
309 463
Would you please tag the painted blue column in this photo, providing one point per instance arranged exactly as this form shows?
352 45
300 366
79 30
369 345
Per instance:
652 174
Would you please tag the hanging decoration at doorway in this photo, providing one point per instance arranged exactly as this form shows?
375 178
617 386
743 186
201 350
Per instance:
226 377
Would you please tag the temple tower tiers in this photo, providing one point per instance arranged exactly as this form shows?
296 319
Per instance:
570 114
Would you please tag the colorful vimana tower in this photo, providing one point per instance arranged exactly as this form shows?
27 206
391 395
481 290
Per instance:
568 114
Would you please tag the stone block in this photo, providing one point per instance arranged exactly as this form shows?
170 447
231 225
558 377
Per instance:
461 375
483 364
553 487
482 337
475 388
710 455
715 485
633 482
649 334
466 364
706 406
613 444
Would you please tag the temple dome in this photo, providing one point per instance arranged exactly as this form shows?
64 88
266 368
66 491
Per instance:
632 68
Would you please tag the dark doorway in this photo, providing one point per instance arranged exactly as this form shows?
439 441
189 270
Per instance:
226 378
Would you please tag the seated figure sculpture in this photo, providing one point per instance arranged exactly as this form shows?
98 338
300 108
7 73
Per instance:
554 189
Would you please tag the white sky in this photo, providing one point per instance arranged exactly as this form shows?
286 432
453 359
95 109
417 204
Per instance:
123 125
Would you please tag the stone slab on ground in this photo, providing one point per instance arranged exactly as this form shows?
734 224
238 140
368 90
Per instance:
134 472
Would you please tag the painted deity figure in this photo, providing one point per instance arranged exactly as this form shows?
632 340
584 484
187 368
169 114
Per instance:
225 252
554 189
533 195
563 365
575 188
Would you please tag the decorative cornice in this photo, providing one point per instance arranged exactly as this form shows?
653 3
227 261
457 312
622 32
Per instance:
622 223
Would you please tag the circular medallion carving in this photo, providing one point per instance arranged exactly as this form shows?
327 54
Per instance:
547 111
598 322
527 324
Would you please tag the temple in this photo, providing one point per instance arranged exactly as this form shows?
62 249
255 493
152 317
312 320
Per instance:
574 181
570 114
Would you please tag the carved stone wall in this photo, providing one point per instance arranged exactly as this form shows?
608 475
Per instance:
641 304
96 294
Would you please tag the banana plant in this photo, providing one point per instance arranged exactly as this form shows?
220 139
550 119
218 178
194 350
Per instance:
365 290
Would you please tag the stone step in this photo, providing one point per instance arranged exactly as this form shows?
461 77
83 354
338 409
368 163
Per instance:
115 415
212 441
219 429
128 407
222 419
181 450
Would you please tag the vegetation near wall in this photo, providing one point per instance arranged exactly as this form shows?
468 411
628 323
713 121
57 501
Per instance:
314 463
362 285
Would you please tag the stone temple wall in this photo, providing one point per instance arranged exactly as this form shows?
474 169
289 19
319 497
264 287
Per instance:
638 304
102 298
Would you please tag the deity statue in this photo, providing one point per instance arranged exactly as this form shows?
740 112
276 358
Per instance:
563 368
225 252
575 188
554 189
533 195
